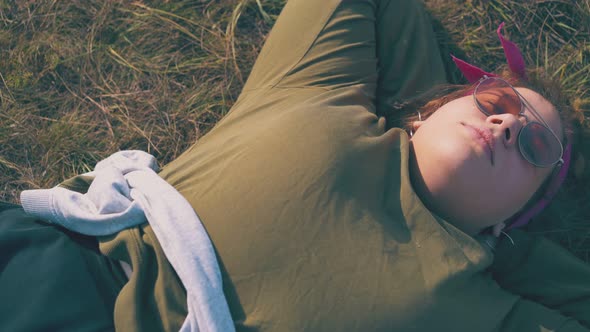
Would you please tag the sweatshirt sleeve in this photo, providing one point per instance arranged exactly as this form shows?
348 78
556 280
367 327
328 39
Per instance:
544 273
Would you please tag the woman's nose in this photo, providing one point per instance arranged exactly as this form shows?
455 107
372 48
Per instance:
505 127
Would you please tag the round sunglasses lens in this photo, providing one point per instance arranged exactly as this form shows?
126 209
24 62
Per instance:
496 96
538 145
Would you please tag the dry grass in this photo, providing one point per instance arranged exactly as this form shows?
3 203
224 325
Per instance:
82 79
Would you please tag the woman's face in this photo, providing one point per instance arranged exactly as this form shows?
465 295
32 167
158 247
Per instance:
467 167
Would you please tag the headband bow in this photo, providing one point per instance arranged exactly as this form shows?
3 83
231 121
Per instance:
513 57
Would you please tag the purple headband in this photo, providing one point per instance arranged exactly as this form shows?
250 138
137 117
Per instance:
517 66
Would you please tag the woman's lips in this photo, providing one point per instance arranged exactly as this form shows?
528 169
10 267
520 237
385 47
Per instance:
485 137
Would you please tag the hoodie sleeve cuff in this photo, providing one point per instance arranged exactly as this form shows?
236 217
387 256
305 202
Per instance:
38 203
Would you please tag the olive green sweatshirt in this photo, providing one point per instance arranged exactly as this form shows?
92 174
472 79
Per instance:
308 202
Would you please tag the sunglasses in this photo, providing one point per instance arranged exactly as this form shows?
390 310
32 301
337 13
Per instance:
537 143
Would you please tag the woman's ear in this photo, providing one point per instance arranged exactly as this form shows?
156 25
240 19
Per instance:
416 125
